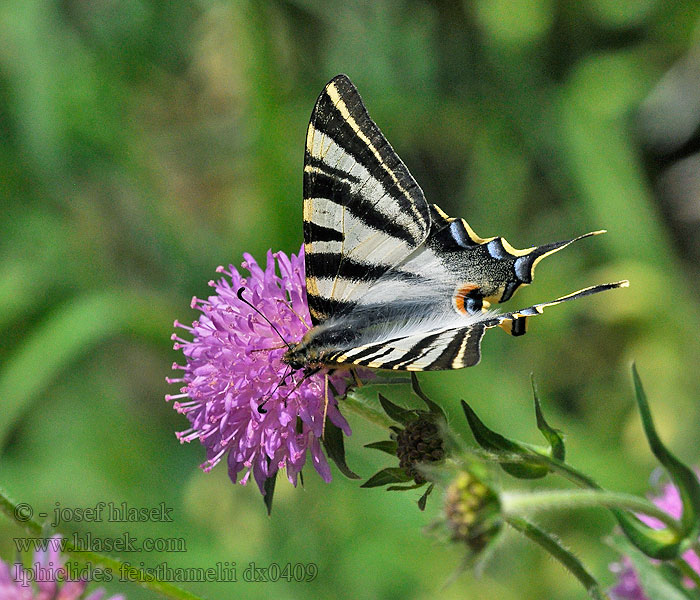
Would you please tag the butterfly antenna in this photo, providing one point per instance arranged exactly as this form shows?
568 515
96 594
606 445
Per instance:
257 310
268 349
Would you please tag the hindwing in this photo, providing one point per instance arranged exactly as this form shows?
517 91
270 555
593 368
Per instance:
450 347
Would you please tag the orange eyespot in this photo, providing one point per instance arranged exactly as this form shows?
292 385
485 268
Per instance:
461 297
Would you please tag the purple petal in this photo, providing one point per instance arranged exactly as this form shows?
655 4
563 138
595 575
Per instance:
234 364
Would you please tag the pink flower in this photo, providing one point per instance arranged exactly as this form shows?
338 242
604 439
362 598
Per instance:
233 366
47 579
629 586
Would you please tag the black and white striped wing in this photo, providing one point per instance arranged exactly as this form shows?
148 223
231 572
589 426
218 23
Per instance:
450 347
363 211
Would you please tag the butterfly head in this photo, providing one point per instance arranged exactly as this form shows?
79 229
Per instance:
304 356
295 357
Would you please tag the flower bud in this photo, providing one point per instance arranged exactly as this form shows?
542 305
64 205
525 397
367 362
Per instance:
472 511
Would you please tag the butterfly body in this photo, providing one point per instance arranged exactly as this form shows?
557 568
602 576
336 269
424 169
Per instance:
392 281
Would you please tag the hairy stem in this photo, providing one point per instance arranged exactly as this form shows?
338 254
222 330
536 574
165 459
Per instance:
363 408
517 503
552 545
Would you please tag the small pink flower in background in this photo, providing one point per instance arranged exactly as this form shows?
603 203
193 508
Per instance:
233 364
46 579
629 586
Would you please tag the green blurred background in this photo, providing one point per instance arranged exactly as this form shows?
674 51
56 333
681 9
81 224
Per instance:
145 143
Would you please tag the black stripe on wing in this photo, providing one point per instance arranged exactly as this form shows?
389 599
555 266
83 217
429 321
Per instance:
447 349
464 350
352 175
417 351
320 233
327 265
360 137
314 164
321 308
359 205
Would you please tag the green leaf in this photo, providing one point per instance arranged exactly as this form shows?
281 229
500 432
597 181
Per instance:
385 476
490 440
424 498
396 412
553 436
402 488
335 448
269 488
432 406
682 476
663 544
388 446
553 545
360 402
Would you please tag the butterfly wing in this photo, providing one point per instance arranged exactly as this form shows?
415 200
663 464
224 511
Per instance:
363 211
393 282
448 347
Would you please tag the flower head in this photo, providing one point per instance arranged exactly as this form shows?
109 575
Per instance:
233 366
419 443
472 511
629 586
47 579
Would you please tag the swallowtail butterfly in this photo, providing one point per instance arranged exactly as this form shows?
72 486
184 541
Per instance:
393 282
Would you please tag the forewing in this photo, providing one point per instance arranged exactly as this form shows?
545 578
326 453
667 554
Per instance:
363 211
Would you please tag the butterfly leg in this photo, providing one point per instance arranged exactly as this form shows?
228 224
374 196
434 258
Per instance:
356 377
325 404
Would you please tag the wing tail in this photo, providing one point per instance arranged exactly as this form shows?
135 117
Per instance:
515 323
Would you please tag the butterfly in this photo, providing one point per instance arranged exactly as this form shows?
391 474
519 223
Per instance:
392 282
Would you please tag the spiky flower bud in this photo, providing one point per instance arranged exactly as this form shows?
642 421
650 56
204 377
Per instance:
472 510
419 443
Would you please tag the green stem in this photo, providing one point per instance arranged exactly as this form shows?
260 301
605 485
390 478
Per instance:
662 544
516 503
688 571
696 547
552 545
555 466
362 407
119 568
